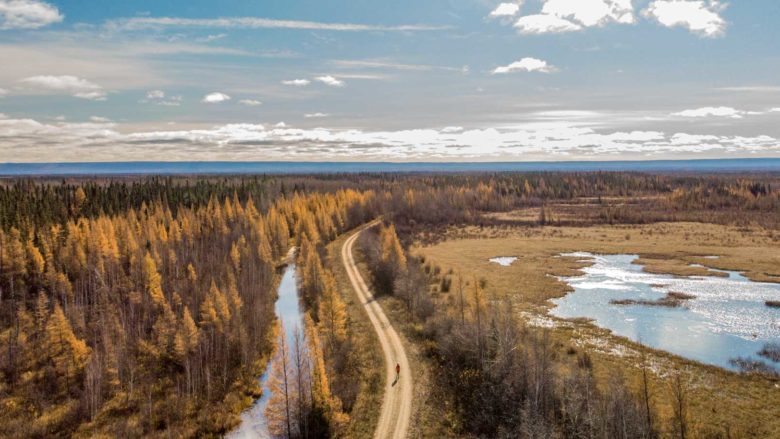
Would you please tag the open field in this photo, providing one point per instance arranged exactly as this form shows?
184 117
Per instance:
744 406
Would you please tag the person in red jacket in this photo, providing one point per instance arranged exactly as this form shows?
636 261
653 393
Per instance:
397 371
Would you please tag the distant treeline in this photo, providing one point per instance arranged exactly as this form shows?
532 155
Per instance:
26 203
432 199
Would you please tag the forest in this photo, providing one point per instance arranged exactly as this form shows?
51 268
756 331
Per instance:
152 319
144 306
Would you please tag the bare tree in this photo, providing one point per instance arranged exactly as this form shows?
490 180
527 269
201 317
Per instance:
680 405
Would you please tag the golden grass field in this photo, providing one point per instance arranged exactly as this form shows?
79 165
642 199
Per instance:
722 403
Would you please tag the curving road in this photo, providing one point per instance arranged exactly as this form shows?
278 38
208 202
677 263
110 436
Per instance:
397 403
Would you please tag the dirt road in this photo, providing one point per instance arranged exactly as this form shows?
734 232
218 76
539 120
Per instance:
397 403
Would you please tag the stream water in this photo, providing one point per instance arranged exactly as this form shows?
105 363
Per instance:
726 319
288 310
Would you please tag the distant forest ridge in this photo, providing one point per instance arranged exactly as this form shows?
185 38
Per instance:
124 168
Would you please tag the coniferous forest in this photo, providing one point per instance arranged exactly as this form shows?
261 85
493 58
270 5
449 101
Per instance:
144 306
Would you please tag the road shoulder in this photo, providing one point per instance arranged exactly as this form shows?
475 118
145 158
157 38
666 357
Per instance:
364 416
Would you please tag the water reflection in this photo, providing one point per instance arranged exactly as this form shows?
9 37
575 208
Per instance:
728 317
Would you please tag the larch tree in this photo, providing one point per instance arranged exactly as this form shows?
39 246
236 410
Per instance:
332 314
283 400
301 368
324 403
68 353
153 281
14 261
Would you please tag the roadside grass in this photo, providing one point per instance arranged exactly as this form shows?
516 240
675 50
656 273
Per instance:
365 413
721 402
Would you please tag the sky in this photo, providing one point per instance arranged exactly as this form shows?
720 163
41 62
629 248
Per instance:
407 80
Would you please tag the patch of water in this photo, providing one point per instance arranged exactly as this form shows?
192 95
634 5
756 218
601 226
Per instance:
727 318
504 261
288 310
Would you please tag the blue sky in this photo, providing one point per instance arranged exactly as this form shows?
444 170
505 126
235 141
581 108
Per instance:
456 80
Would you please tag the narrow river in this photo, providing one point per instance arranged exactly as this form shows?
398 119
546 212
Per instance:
253 424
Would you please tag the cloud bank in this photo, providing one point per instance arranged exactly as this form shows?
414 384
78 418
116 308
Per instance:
31 140
717 112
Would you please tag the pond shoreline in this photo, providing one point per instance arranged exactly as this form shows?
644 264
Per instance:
713 332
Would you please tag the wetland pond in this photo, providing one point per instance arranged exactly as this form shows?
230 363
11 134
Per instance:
504 261
709 319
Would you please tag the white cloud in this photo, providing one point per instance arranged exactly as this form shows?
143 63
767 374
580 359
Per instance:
210 38
141 23
158 97
558 16
330 80
542 24
250 102
775 110
73 85
27 14
382 64
173 102
215 98
714 112
526 65
506 9
98 119
315 115
155 94
297 82
91 95
591 12
3 92
701 17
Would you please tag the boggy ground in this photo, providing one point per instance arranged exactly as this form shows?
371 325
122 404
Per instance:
721 403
